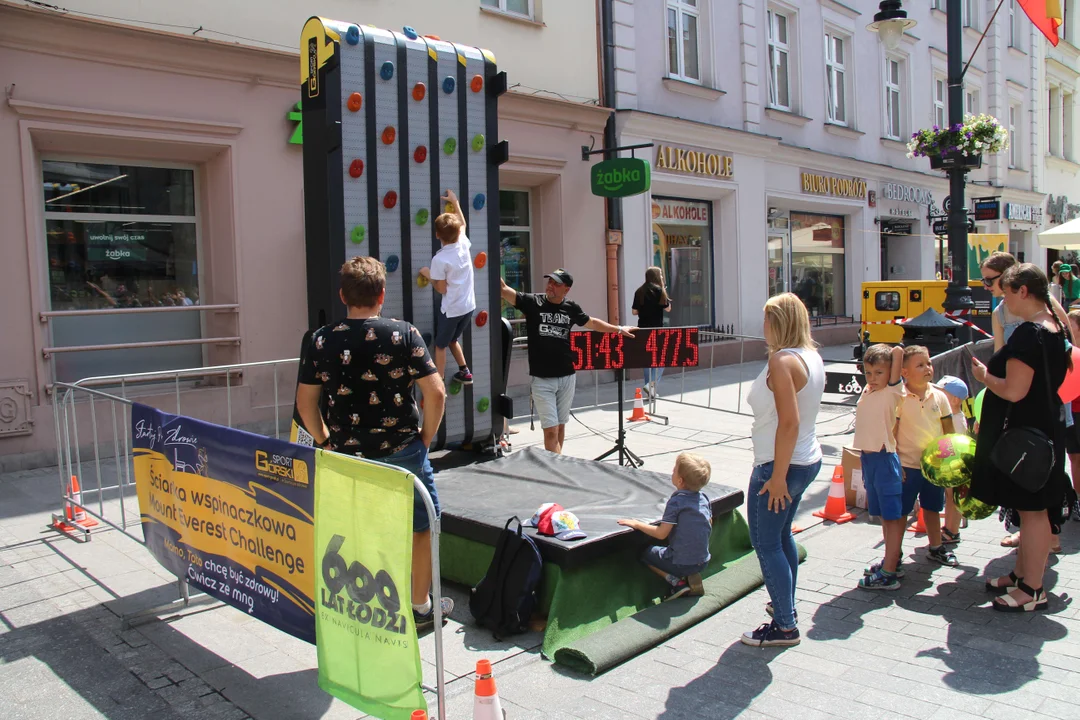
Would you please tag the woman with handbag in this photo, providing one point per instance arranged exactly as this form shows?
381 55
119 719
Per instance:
1019 457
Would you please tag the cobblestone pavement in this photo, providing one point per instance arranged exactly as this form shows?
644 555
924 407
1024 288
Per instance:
931 650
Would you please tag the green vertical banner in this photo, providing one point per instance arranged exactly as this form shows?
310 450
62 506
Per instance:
365 636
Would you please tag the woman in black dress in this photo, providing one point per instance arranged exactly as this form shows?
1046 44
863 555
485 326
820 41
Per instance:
1019 389
650 302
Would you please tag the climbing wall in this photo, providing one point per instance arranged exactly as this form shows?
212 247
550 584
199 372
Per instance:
391 121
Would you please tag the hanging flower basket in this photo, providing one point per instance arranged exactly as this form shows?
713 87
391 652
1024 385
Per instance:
962 145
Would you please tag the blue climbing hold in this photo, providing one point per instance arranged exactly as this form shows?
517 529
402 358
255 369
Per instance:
478 201
409 32
387 70
391 263
352 35
448 85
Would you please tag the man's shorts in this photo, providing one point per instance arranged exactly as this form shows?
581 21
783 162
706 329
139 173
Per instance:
1072 439
414 458
450 329
553 398
884 481
931 497
659 557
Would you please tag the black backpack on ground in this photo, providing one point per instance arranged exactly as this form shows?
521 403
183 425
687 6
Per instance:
505 598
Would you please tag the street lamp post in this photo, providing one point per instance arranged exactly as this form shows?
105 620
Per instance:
890 23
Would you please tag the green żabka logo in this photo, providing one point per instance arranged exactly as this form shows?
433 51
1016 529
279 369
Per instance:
620 177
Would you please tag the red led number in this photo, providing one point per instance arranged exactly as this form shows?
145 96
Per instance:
604 348
692 345
575 347
588 351
678 344
663 353
620 359
650 347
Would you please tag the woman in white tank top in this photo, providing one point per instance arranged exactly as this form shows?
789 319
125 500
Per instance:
785 398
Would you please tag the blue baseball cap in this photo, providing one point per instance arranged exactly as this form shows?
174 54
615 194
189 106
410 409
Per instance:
954 386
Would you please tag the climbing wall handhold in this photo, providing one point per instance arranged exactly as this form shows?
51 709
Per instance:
419 91
390 199
357 234
448 84
420 154
409 32
481 260
477 83
422 216
392 263
478 201
422 281
483 404
481 318
352 35
355 101
478 143
450 146
356 168
455 387
388 135
387 70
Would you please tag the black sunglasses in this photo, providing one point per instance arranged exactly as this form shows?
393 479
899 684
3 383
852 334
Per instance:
989 282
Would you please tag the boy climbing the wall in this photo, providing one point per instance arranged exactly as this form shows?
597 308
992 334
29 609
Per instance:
451 274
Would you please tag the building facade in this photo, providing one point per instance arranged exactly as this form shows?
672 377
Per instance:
1059 148
780 159
155 202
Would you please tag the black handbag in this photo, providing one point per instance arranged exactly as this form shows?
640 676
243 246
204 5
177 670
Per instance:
1026 455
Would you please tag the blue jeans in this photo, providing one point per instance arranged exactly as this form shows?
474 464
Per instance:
653 374
414 458
770 532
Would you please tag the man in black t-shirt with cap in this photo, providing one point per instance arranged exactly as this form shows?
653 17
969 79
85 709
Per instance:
549 316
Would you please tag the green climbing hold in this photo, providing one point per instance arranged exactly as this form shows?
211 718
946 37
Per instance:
483 404
357 235
455 387
421 216
478 143
450 146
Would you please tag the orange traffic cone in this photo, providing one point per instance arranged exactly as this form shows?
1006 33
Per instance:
919 526
795 529
486 703
73 514
638 415
418 715
836 505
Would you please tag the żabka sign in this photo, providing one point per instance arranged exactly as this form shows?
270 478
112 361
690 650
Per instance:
620 177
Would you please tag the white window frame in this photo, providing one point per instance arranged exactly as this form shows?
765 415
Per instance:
969 12
1014 27
500 6
682 9
1014 135
940 102
971 101
775 48
891 89
832 70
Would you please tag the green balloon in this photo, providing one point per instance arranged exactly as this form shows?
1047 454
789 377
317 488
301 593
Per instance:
977 406
948 461
973 509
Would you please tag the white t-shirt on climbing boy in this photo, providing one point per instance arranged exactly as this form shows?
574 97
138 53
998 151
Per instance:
453 263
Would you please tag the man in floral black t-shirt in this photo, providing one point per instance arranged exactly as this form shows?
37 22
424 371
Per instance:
367 366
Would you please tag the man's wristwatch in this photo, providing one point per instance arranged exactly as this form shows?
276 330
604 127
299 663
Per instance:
323 444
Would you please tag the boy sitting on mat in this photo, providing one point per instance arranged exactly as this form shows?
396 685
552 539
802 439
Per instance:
686 525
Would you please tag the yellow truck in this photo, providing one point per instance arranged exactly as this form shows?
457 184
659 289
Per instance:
888 300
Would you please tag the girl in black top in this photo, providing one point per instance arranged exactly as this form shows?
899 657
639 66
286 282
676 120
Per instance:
650 302
1019 389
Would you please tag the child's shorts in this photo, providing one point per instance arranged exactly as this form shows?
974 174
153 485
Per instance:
659 557
449 329
931 497
884 482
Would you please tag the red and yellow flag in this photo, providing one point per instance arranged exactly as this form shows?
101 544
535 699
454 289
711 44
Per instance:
1045 15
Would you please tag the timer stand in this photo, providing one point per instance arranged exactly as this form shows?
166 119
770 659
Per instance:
626 455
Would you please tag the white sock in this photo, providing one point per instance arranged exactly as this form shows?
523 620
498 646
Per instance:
425 608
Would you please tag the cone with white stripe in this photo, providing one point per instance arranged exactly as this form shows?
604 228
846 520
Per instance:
638 414
486 703
836 504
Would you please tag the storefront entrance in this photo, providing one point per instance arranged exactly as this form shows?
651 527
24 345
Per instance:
806 257
682 248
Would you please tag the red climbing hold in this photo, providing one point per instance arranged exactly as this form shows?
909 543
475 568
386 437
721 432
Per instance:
419 91
388 135
355 101
481 260
481 318
356 168
390 199
420 154
477 83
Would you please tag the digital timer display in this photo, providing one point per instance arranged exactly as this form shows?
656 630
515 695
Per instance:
649 348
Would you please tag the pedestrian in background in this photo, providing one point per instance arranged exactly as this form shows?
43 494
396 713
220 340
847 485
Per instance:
651 301
785 399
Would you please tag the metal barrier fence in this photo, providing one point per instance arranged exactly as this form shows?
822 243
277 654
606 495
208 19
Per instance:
108 499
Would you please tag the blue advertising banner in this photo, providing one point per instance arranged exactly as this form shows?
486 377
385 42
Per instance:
232 512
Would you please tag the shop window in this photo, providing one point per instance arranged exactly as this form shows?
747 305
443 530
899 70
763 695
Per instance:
817 262
515 248
682 248
121 237
683 40
887 301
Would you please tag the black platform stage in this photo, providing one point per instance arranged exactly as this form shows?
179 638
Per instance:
478 499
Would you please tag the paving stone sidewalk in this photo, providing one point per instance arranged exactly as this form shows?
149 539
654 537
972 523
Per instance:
931 650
